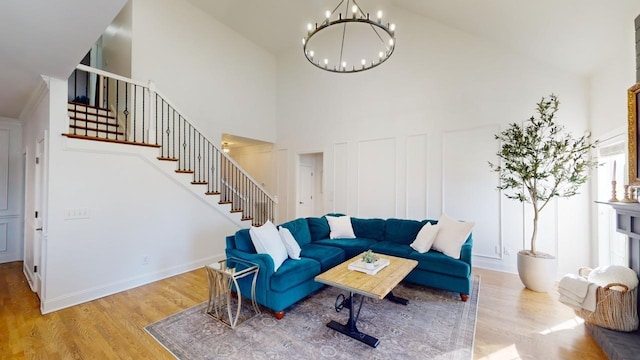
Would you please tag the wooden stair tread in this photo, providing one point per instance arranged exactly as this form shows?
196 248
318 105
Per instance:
94 138
73 116
97 120
73 119
115 132
75 103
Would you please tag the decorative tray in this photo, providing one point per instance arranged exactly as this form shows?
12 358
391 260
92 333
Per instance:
361 266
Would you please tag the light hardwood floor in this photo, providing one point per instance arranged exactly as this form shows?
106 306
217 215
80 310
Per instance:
513 323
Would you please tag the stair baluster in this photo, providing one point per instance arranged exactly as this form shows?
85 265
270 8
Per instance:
135 114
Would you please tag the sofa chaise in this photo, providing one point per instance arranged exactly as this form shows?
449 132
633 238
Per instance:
294 279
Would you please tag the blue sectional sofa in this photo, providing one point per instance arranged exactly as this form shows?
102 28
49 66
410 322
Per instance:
294 280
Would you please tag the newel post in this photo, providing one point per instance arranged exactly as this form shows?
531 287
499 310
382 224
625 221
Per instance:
153 119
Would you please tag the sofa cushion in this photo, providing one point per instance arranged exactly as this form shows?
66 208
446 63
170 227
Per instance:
402 231
425 238
327 256
299 228
341 227
438 262
293 273
393 249
351 247
290 243
243 241
369 228
318 228
451 236
266 240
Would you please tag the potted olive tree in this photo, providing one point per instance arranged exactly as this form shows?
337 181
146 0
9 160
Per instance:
539 161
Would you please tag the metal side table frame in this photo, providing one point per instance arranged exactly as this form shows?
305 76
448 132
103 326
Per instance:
222 275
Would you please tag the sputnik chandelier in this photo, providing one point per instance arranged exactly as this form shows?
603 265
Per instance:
351 42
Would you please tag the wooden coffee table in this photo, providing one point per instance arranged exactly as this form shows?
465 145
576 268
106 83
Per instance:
377 286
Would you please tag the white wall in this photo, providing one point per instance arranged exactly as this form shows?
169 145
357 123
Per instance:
608 111
424 121
11 185
116 44
136 209
223 82
35 126
258 162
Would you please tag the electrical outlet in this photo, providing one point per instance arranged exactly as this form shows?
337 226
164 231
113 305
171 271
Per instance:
507 251
145 260
76 213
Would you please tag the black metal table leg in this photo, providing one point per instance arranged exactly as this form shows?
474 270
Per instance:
350 329
396 299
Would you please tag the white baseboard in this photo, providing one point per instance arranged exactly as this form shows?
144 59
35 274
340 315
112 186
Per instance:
79 297
489 264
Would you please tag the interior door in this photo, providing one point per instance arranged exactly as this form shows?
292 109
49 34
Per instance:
305 204
11 228
39 216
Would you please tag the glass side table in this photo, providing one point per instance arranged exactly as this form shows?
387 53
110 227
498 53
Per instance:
222 275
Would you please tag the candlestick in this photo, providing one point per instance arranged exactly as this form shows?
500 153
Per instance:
627 198
613 192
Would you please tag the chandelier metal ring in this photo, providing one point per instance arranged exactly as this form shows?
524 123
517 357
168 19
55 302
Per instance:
358 17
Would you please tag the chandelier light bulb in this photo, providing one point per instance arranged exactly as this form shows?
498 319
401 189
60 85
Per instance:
350 21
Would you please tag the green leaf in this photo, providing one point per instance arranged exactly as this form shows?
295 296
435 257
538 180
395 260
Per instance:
539 161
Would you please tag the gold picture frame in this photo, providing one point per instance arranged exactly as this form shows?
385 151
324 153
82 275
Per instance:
633 103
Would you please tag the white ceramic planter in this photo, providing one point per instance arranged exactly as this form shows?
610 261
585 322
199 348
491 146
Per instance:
537 273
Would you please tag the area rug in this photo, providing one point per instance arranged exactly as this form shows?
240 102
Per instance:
435 325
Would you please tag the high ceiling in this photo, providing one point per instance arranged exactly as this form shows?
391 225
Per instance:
51 37
575 35
45 37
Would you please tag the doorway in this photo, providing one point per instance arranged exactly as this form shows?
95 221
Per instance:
35 216
613 246
310 194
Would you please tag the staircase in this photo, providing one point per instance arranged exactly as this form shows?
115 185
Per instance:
92 121
108 107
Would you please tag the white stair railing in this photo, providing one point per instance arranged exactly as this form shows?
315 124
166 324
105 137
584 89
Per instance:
150 119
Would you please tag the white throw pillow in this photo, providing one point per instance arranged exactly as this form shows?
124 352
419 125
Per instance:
266 240
451 236
425 238
340 227
290 243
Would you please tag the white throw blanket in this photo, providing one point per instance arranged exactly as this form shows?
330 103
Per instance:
577 292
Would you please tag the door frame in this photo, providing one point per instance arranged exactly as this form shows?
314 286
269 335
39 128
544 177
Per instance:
35 229
299 200
317 189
